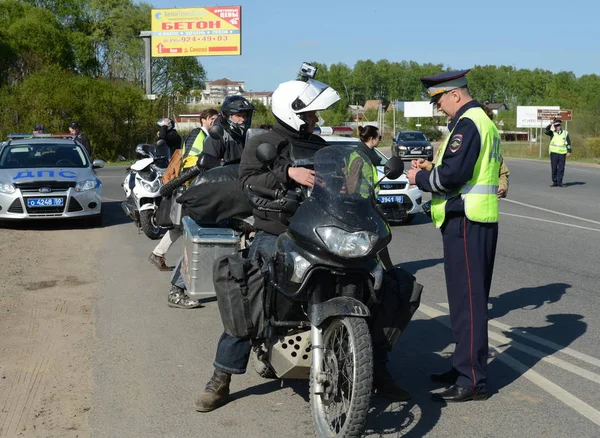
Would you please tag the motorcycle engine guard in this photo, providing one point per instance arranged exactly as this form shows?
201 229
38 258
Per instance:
338 306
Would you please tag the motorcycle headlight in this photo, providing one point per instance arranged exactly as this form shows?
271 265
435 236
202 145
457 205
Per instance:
345 244
151 187
9 189
88 184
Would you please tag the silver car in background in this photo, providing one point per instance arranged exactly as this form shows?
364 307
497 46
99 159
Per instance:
48 177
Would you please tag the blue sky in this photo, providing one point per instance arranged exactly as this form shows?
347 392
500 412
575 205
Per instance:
278 35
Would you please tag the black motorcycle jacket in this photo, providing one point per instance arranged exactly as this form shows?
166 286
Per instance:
172 138
253 172
229 148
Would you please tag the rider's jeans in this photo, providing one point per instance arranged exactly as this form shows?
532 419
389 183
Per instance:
233 353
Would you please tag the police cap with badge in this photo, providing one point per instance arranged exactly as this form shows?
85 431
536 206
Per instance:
439 84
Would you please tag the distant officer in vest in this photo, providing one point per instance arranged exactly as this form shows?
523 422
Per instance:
560 150
464 188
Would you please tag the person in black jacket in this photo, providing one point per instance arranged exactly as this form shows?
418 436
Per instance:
169 134
294 105
80 137
235 119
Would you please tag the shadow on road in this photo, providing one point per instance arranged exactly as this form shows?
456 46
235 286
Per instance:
526 298
575 183
417 265
114 214
562 330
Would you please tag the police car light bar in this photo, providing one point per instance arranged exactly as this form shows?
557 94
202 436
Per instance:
11 136
334 130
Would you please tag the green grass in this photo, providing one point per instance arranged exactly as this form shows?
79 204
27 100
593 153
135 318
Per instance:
120 163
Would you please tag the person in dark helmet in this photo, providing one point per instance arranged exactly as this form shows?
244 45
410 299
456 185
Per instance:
235 118
38 129
169 134
80 137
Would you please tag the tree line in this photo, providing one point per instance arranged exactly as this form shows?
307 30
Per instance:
83 60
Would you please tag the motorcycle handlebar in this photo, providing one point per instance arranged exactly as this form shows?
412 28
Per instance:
262 191
184 177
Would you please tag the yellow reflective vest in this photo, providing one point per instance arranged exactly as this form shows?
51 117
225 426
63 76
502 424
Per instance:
558 143
480 193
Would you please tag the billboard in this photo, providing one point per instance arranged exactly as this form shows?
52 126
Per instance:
210 31
527 116
551 115
418 109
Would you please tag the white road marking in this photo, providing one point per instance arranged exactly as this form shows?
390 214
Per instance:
550 211
533 376
551 222
552 345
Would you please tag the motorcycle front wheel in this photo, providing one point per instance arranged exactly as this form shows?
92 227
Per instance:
148 224
341 410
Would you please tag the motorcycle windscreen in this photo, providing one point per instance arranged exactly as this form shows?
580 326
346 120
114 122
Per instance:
344 185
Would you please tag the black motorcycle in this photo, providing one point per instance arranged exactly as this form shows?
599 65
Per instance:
323 274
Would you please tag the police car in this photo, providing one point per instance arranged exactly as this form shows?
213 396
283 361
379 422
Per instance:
390 190
46 176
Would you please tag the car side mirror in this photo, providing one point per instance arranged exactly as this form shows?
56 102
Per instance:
393 168
216 132
206 161
98 164
266 153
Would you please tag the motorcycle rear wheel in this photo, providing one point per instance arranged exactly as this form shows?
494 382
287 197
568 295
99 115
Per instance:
148 224
341 411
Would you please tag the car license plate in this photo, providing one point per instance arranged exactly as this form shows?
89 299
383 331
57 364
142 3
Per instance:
415 151
398 199
45 202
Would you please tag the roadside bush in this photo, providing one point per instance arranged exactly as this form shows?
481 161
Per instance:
433 134
589 148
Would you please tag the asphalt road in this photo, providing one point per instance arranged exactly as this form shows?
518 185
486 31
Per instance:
151 361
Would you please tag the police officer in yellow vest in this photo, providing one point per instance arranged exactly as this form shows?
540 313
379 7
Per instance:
560 149
464 187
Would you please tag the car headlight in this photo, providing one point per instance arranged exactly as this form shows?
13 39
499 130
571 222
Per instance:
7 188
428 148
88 184
402 148
345 244
151 187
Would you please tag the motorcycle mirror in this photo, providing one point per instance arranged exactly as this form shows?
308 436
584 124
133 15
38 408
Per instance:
266 153
206 161
216 132
393 168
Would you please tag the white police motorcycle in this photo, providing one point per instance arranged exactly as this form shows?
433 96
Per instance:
142 186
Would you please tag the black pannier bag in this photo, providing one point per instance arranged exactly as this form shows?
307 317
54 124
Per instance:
163 213
399 298
240 285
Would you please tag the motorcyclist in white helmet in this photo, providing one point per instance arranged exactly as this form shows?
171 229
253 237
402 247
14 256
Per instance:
294 105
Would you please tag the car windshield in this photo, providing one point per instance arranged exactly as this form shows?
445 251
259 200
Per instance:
355 144
35 155
411 136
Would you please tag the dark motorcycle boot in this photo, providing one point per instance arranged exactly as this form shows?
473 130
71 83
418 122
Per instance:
216 393
177 298
385 386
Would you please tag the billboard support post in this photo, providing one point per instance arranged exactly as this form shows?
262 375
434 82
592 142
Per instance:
146 34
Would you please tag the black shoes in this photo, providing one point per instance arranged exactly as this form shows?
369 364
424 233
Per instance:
448 378
458 394
558 185
553 185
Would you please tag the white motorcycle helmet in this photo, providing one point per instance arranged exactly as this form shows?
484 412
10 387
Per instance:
293 98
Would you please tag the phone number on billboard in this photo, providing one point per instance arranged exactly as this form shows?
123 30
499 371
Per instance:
196 39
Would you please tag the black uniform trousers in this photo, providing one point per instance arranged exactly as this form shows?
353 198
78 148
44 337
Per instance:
557 163
469 253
